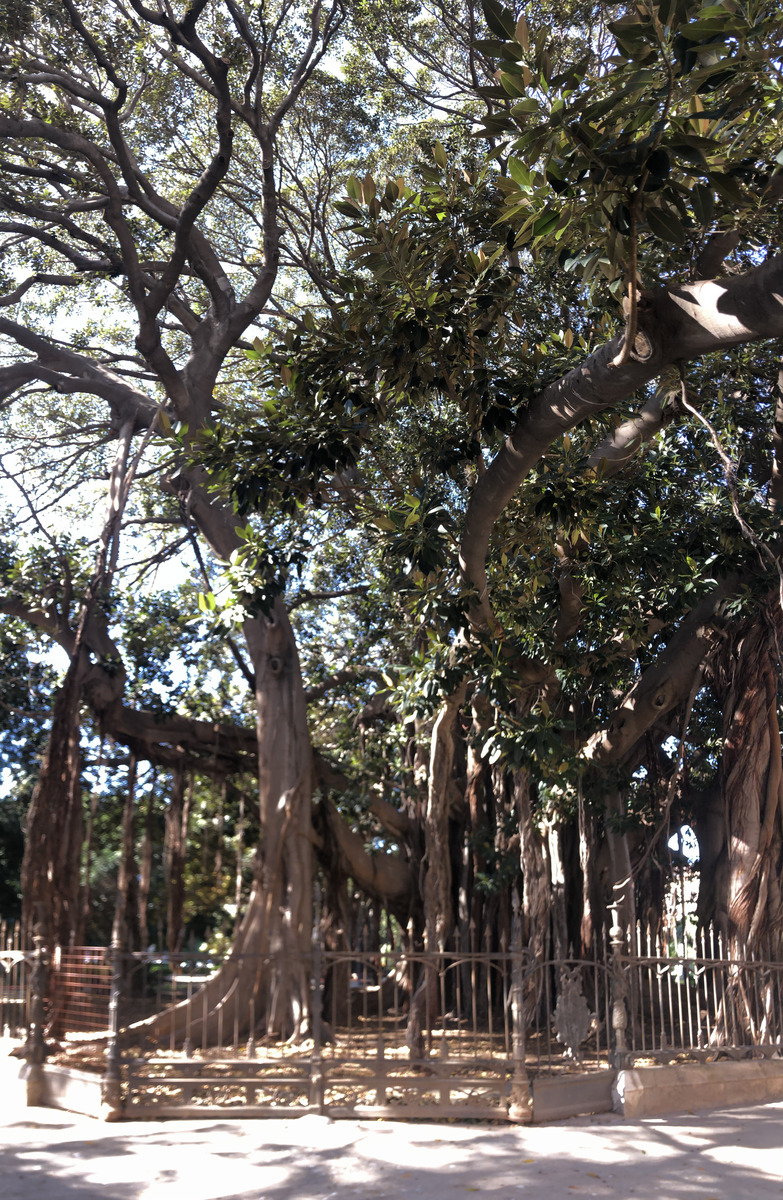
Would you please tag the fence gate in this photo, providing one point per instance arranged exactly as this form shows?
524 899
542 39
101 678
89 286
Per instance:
357 1064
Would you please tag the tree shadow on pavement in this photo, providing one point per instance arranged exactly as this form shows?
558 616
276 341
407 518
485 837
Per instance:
725 1156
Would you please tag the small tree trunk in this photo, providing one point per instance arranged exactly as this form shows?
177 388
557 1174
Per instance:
145 867
126 874
175 850
51 867
587 857
623 895
752 783
558 883
221 821
240 862
536 891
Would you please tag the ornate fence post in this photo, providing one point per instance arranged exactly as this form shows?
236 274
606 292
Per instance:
111 1090
316 1001
520 1108
617 936
34 1047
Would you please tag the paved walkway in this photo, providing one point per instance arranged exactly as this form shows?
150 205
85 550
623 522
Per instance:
50 1155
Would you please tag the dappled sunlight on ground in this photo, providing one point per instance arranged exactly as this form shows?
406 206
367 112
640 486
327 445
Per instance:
52 1155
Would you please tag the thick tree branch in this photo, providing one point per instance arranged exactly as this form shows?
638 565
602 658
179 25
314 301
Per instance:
665 684
676 323
387 877
67 370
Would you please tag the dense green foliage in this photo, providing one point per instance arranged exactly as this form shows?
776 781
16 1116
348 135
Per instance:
460 220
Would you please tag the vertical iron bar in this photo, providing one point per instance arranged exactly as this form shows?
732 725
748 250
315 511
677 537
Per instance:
111 1098
317 1090
617 936
34 1046
188 1044
490 1023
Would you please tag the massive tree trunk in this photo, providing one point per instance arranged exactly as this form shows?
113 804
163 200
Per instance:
437 889
265 982
286 860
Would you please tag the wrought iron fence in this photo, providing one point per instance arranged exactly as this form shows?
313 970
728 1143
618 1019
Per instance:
14 980
79 990
488 1025
713 999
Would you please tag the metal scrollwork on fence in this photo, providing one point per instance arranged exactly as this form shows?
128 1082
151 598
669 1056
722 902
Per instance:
572 1017
12 958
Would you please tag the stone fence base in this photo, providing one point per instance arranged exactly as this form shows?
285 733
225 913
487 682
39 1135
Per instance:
651 1091
634 1093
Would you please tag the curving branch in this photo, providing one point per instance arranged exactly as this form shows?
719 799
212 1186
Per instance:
677 323
665 684
67 370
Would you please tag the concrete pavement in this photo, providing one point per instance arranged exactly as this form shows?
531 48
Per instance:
46 1154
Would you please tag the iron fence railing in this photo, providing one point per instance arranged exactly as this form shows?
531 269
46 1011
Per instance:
14 980
673 1003
398 1031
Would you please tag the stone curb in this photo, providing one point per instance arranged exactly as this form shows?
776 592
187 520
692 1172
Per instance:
650 1091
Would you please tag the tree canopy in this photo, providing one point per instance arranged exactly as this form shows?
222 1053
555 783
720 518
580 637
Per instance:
448 375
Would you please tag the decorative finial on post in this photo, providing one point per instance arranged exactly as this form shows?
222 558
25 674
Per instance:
617 937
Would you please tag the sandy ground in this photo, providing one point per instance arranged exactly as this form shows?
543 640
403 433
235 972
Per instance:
50 1155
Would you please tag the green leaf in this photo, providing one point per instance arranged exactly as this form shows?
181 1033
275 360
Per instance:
439 154
521 174
703 201
727 188
665 225
513 84
499 19
354 188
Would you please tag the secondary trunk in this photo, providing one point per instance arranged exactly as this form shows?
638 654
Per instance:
438 907
752 783
174 852
51 867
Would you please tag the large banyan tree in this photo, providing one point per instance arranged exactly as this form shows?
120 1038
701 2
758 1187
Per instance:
513 417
